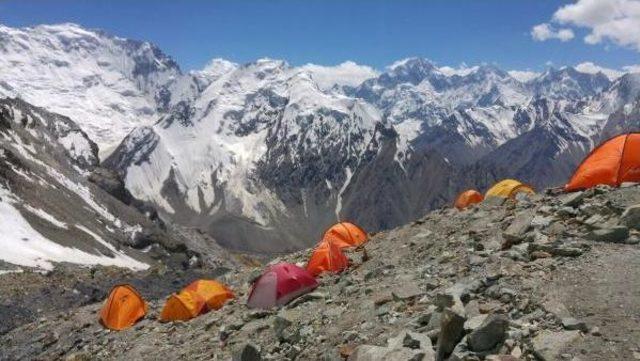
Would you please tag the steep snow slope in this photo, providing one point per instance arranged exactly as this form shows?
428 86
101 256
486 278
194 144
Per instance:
107 84
50 213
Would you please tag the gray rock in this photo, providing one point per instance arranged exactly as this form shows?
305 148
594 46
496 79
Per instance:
631 217
633 240
548 345
573 199
617 234
516 231
570 323
434 321
283 330
474 322
406 291
493 201
541 221
377 353
557 308
489 334
451 332
410 340
567 212
423 319
247 352
406 346
461 351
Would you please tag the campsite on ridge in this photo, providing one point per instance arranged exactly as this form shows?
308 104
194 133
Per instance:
320 180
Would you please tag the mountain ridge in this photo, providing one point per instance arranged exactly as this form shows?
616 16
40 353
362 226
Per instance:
265 155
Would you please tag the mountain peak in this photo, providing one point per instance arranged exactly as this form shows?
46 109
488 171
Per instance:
411 62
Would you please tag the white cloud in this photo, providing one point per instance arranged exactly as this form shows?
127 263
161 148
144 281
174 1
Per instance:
617 21
545 31
347 73
462 70
591 68
631 68
523 75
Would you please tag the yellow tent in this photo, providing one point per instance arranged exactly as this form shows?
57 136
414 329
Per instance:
508 188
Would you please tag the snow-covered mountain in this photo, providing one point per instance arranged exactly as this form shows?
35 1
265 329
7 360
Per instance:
262 148
51 213
107 84
264 156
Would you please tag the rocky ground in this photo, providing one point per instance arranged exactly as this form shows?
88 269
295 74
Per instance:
554 277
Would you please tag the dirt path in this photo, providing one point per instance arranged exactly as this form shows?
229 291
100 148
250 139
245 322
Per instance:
603 289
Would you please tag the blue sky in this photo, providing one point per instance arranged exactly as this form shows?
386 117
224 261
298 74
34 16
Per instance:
329 32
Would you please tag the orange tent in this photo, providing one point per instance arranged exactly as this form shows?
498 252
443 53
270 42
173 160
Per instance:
123 308
467 198
183 306
346 234
614 161
214 293
327 257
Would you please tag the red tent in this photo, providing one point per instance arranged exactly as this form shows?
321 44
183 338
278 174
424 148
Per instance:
280 284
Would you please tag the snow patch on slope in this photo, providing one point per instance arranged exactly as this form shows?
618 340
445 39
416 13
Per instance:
24 246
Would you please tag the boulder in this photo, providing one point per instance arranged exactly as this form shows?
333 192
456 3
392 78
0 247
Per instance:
631 216
548 345
516 231
406 291
556 307
490 333
474 322
616 234
412 340
247 352
570 323
406 346
451 332
573 199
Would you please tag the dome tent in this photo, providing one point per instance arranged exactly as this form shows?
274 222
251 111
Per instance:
467 198
199 297
214 293
183 306
123 308
280 284
613 162
508 188
345 234
327 257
